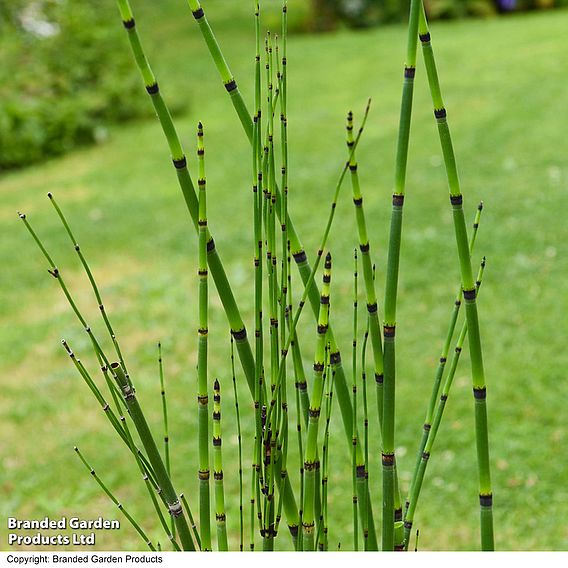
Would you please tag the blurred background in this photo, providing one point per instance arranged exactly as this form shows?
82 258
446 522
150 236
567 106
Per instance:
75 120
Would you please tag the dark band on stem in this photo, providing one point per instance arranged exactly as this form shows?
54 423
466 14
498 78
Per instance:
309 465
324 300
486 500
129 24
217 443
480 393
199 13
204 399
409 72
364 247
203 474
425 456
180 164
469 294
322 329
388 460
210 245
443 397
389 330
360 471
314 412
398 514
335 358
231 85
398 200
300 256
220 517
379 378
358 201
153 88
372 308
425 38
456 199
440 113
239 334
318 367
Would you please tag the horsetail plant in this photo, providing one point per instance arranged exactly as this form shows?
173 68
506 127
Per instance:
311 461
202 334
418 479
302 498
220 515
469 292
392 511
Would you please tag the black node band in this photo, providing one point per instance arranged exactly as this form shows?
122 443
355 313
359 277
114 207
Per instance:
335 358
425 38
440 113
293 530
322 329
217 442
360 471
324 300
152 89
314 412
486 500
379 378
180 164
443 397
388 460
372 308
409 72
358 202
198 14
389 330
300 256
129 24
364 247
353 167
210 245
398 200
398 514
318 367
456 199
480 393
425 456
231 85
239 334
408 525
469 294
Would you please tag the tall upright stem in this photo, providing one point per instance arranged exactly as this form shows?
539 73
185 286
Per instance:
469 291
388 418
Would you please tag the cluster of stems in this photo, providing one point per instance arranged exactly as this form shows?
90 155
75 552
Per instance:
300 497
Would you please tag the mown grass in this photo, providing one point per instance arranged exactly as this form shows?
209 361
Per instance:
504 89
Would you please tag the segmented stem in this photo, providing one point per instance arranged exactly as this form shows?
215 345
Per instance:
388 417
202 356
468 285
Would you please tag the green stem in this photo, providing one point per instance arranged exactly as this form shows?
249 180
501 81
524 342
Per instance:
475 350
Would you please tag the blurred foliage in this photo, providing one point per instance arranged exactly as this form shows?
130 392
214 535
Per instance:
65 73
327 14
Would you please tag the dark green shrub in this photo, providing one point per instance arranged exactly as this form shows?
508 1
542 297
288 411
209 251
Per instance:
65 74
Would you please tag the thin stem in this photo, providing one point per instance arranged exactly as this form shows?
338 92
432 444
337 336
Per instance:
202 356
388 418
220 514
115 500
417 486
240 443
468 285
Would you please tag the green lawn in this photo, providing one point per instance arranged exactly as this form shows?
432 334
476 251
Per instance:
505 90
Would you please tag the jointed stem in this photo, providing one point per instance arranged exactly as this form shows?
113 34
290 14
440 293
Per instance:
469 292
